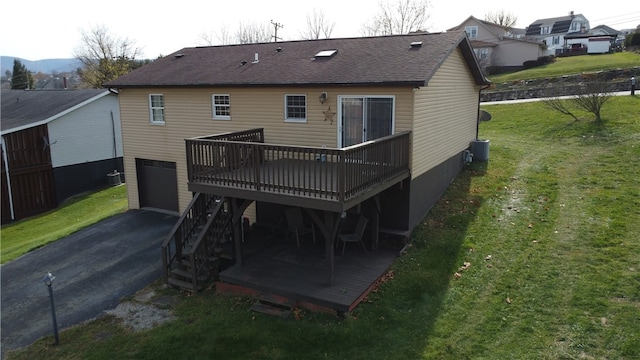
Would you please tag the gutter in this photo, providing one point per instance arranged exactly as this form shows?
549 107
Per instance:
478 115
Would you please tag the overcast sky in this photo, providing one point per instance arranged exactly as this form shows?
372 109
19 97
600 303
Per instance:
45 29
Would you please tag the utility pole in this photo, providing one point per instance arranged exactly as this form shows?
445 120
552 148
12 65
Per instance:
276 26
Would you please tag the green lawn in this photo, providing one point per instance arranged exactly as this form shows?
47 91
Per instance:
534 254
573 65
23 236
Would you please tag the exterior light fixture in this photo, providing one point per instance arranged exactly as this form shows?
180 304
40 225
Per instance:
323 97
48 281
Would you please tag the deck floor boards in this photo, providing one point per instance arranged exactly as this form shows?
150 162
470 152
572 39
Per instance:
301 274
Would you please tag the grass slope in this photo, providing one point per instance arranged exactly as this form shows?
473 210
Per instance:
29 234
534 254
573 65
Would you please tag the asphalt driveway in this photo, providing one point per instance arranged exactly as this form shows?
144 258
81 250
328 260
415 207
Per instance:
94 269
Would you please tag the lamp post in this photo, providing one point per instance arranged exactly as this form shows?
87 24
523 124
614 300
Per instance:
48 281
633 85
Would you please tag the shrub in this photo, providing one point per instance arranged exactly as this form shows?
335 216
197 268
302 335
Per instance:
494 69
544 60
530 64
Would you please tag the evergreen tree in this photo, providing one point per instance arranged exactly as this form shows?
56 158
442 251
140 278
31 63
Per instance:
21 78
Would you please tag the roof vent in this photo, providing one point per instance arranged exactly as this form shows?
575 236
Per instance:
255 59
178 55
278 49
416 44
324 54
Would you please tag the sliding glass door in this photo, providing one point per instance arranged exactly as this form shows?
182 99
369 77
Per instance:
364 118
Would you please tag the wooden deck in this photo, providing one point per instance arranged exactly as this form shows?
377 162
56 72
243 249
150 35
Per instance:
310 177
299 275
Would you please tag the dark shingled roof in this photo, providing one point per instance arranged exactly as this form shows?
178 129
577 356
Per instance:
21 108
383 60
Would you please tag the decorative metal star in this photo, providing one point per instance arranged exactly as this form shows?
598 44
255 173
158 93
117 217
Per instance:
328 115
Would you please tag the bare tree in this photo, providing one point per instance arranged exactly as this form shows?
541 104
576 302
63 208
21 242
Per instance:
502 18
104 56
556 103
317 26
593 97
222 37
399 17
252 33
589 96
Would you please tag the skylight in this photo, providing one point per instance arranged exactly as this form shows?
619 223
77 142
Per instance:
326 53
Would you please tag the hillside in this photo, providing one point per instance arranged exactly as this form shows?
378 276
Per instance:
47 66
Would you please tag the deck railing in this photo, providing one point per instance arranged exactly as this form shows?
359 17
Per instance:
243 160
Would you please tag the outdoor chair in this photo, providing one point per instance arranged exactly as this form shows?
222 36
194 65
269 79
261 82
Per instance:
356 235
297 226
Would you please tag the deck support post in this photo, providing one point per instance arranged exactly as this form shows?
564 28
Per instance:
238 208
375 229
329 230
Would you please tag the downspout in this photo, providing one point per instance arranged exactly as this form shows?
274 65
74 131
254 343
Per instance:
6 169
115 145
478 115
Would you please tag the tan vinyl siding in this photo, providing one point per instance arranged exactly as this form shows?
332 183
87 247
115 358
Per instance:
445 115
188 113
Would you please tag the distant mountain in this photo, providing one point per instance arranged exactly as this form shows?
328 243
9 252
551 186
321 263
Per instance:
46 66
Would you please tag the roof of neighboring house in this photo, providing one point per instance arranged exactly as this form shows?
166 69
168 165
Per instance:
579 35
498 31
382 60
558 25
27 108
490 26
606 29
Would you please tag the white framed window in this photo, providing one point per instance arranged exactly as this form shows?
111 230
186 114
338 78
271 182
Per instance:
221 106
575 26
544 30
556 40
482 53
295 108
156 108
472 31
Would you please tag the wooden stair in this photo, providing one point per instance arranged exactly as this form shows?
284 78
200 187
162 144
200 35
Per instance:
273 305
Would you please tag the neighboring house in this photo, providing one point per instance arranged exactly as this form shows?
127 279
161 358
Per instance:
56 144
552 31
604 30
340 128
497 45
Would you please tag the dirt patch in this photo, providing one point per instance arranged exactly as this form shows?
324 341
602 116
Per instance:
147 310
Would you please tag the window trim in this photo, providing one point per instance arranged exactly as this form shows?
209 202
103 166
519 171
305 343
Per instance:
473 34
214 107
286 109
339 114
151 108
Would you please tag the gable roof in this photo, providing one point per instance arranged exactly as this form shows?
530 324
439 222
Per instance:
382 60
27 108
606 29
496 29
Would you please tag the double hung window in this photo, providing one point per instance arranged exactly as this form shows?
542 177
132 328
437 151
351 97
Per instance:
221 106
295 108
156 108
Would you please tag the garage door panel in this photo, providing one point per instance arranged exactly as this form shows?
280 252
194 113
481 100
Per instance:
157 184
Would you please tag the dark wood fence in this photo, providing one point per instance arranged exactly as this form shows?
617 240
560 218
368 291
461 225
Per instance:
30 178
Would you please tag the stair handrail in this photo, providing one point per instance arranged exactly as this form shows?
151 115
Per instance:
201 250
178 235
